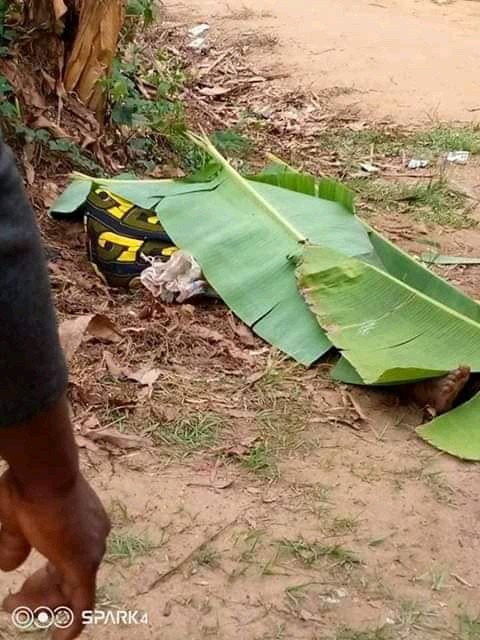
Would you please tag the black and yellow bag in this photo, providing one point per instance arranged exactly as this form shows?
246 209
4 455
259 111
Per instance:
118 234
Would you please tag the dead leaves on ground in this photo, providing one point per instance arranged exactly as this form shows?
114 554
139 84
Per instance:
146 376
90 435
75 331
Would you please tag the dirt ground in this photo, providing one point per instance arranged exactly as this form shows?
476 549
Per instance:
406 59
268 503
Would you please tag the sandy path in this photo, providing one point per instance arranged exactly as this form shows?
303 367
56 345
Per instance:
409 59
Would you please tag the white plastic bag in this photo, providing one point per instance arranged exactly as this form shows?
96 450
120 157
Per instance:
176 280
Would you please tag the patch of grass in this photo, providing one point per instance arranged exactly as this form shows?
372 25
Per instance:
124 545
118 512
207 557
343 525
196 432
353 146
229 143
409 614
107 597
382 633
438 579
251 540
441 490
432 201
141 9
311 552
260 461
444 138
468 627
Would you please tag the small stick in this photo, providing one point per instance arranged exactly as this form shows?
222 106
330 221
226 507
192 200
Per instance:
461 580
357 407
216 62
170 572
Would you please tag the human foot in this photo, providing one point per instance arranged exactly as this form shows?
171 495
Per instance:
439 394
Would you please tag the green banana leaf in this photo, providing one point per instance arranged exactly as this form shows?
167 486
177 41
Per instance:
389 332
431 257
400 265
248 236
456 432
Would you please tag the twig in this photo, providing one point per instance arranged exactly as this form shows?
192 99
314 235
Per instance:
357 407
170 572
216 62
430 176
461 580
211 114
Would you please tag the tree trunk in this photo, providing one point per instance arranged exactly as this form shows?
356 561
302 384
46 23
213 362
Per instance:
87 32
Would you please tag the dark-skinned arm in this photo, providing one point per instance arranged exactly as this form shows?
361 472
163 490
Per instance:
45 502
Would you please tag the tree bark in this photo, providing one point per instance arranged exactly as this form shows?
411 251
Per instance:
93 51
88 32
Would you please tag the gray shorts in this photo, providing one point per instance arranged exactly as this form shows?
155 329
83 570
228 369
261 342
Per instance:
33 373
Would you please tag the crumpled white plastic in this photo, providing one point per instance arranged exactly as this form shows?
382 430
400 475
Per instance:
175 280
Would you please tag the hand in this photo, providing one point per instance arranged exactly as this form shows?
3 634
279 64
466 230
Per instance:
69 528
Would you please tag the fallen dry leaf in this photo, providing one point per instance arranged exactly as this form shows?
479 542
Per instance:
120 440
85 443
44 123
212 92
241 413
243 332
255 377
102 328
239 449
146 376
73 331
208 334
114 369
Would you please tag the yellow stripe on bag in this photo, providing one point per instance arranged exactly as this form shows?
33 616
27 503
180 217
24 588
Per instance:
131 245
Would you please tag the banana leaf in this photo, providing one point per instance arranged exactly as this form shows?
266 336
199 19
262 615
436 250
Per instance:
407 270
389 332
456 432
248 236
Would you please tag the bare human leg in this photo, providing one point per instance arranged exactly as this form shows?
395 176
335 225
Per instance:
439 394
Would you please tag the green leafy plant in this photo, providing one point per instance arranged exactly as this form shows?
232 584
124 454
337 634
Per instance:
8 108
144 9
147 101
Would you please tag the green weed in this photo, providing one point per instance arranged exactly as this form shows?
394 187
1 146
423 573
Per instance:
207 557
444 138
382 633
432 201
229 142
260 461
143 9
310 553
123 545
343 525
469 628
196 432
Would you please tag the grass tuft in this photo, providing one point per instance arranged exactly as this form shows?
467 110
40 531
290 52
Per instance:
195 432
123 545
311 552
